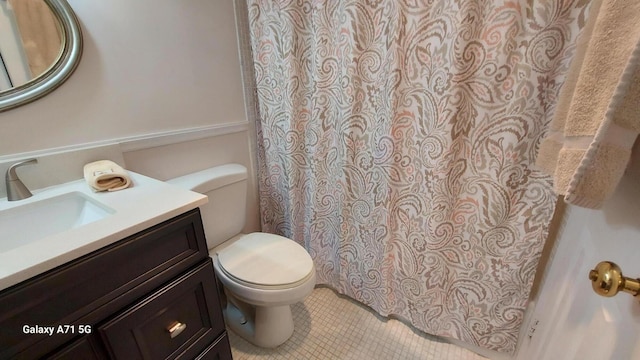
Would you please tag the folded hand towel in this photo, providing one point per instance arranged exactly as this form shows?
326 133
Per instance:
597 118
105 175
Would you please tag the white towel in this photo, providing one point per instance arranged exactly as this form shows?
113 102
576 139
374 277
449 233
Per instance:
598 115
105 175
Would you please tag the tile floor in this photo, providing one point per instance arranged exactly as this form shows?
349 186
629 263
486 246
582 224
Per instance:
328 326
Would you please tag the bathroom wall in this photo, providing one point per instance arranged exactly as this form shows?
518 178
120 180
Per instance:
147 66
150 69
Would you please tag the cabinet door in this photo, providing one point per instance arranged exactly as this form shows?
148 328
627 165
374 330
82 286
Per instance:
220 350
177 321
84 348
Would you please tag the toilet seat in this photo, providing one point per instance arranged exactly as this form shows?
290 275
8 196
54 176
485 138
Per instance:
265 261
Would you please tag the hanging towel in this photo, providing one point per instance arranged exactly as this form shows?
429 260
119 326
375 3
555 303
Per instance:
105 175
597 118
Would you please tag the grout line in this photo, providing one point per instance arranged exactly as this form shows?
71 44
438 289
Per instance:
339 328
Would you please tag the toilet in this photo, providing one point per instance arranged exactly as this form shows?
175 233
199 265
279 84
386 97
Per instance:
262 274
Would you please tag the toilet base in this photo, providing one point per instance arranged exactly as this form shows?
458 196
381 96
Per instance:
262 326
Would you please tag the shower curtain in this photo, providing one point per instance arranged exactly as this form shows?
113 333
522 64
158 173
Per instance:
396 141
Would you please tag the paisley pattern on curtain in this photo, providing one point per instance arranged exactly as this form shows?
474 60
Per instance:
396 144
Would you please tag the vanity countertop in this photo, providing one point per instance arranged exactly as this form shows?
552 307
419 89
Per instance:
147 203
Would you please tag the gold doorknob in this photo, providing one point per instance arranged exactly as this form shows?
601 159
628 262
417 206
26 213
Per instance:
607 280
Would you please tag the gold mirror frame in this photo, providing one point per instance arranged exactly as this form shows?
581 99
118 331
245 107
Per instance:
70 53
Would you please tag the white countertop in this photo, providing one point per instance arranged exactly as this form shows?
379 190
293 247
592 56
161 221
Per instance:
147 203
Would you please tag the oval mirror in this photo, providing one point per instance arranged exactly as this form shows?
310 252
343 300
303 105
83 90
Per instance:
40 46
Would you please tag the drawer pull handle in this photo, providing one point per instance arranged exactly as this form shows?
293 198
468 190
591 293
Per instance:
176 328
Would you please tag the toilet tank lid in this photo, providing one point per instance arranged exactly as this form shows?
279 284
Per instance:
212 178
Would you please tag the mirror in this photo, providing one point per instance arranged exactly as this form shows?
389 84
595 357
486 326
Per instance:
40 46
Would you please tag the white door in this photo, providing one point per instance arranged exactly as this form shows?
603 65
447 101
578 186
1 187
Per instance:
570 320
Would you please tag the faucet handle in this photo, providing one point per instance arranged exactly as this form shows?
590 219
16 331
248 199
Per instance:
15 188
11 172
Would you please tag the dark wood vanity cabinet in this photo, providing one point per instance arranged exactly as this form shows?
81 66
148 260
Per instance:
152 295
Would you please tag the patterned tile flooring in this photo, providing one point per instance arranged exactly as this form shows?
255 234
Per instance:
328 326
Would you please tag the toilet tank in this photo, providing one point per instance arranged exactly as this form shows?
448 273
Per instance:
224 215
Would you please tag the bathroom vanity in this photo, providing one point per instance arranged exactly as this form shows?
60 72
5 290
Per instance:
151 294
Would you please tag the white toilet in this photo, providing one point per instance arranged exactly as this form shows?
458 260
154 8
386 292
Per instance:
262 274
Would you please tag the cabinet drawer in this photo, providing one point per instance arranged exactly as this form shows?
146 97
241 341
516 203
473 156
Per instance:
189 305
88 290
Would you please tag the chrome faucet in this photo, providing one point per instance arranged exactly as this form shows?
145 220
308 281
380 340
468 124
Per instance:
15 188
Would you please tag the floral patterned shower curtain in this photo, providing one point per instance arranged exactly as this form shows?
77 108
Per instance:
396 143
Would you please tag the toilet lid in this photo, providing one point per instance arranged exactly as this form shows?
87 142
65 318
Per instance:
266 259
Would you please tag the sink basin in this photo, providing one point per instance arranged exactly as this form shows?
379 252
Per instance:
35 220
63 222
